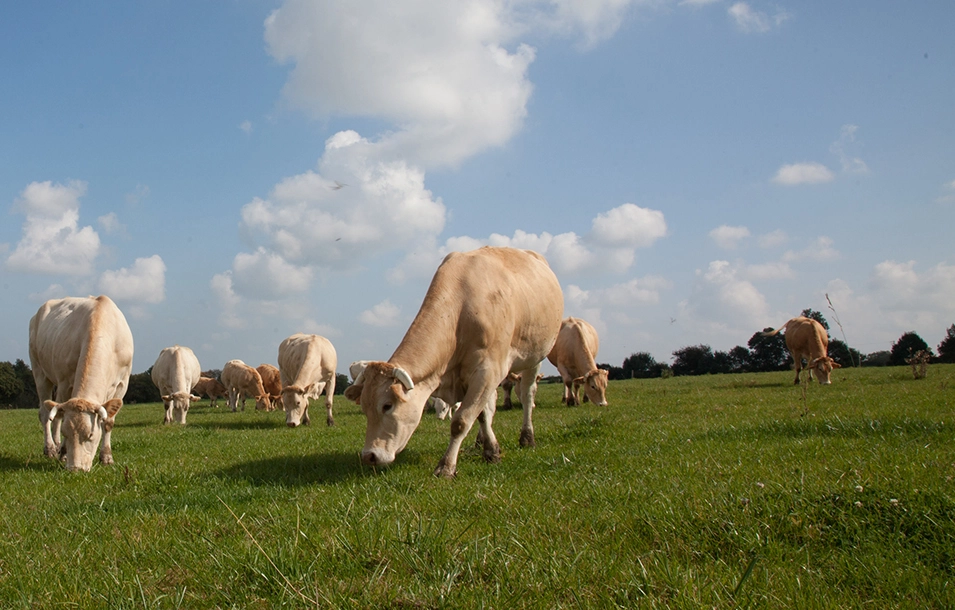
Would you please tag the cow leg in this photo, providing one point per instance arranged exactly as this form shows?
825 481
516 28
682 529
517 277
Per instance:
528 392
233 399
492 449
330 401
106 449
51 441
168 418
474 403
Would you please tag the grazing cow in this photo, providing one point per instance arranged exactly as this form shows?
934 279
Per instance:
307 364
175 373
241 379
272 382
441 408
84 349
212 388
573 355
487 313
807 338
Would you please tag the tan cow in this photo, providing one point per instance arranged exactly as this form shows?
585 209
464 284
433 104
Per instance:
84 349
240 379
487 313
807 338
509 383
175 373
307 364
272 382
573 355
212 388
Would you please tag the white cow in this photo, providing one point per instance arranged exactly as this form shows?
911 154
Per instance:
487 313
307 366
84 349
175 372
573 355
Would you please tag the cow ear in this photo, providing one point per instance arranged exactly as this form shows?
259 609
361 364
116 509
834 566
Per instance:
113 406
195 398
166 398
836 365
580 380
353 393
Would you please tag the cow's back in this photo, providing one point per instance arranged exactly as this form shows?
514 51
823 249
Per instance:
805 336
82 342
304 359
271 381
505 306
576 346
176 370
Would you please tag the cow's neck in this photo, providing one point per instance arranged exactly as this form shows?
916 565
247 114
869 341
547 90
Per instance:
428 346
93 379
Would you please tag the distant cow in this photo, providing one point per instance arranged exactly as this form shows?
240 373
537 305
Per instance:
241 379
272 382
307 364
212 388
807 338
510 382
84 349
487 313
175 373
574 356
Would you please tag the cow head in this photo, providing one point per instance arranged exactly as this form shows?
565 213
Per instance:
179 403
263 403
595 386
822 366
295 402
387 396
83 426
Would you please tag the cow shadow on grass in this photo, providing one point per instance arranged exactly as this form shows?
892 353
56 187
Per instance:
37 464
313 469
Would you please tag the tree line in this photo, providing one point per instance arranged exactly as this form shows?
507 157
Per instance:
761 354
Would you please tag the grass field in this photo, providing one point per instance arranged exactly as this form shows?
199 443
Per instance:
721 491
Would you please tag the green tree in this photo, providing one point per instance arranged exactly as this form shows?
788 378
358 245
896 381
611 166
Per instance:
141 388
27 398
880 358
10 384
739 359
693 360
768 353
640 366
843 354
905 347
946 349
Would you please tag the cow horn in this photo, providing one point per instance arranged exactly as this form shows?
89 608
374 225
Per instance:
53 412
405 379
360 379
102 413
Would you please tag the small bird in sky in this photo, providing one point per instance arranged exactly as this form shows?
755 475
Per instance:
338 186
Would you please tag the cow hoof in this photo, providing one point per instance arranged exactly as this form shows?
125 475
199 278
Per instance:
106 459
527 438
443 472
330 422
51 451
492 455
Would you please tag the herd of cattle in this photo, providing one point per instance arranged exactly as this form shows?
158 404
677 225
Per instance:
489 318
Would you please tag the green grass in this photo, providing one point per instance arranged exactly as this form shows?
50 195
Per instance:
722 491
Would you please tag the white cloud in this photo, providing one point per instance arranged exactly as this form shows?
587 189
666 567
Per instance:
773 239
383 314
820 250
52 240
728 237
850 164
748 19
110 224
628 226
228 301
698 2
645 290
144 282
803 173
724 304
138 195
949 197
267 276
246 126
768 271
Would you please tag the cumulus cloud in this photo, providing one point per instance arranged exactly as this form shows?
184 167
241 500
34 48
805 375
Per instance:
629 226
748 19
383 314
266 275
728 237
803 173
52 240
110 224
144 282
246 126
644 290
227 300
820 250
773 239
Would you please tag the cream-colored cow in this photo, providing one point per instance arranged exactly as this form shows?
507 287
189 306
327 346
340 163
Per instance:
808 338
573 355
82 347
307 364
487 313
240 379
175 372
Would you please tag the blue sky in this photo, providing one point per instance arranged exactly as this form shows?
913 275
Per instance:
231 173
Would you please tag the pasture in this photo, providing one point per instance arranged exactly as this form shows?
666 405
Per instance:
685 492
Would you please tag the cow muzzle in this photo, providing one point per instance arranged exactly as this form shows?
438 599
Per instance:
376 458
